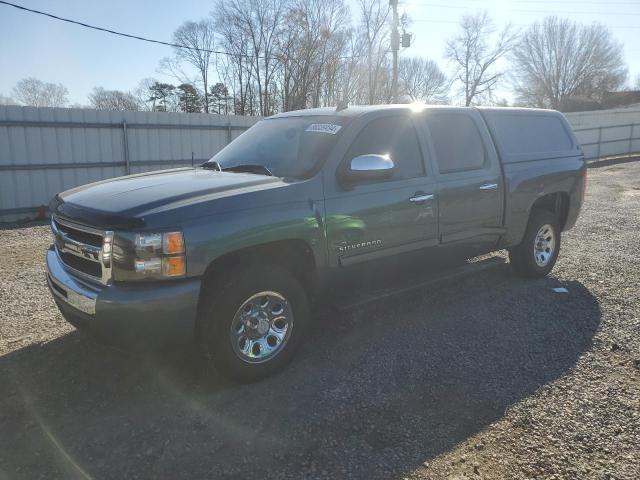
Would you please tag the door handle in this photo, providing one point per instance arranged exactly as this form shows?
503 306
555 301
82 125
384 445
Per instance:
489 186
421 197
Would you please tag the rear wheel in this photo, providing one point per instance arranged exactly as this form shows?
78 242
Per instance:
537 253
254 323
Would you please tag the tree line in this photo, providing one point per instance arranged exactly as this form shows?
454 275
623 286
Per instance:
260 57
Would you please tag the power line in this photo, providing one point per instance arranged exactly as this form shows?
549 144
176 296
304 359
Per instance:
550 12
604 4
137 37
574 12
86 25
222 52
424 20
601 3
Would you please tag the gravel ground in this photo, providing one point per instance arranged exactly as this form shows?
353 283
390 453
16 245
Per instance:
490 377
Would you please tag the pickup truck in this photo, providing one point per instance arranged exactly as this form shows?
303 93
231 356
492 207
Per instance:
233 255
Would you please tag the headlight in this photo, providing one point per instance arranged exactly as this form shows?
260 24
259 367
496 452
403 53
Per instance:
159 255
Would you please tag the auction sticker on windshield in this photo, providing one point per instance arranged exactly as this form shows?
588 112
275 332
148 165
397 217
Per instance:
323 128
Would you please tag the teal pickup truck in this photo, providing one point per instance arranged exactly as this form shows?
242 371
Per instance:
233 255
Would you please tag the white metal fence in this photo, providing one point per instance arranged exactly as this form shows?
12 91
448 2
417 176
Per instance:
607 133
46 150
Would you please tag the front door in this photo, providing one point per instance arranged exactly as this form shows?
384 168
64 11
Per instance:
377 218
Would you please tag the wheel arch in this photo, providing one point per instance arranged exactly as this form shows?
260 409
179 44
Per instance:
557 203
295 255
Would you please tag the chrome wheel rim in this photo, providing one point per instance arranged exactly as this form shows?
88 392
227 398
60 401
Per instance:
261 327
545 245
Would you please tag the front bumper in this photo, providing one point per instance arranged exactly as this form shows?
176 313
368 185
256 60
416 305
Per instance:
149 315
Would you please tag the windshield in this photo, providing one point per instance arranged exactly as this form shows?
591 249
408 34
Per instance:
293 147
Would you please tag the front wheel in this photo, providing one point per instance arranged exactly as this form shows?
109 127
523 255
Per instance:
254 323
537 253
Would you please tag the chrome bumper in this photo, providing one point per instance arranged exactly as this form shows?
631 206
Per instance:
68 289
136 316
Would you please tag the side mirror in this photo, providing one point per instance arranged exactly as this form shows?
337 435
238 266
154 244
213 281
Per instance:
370 167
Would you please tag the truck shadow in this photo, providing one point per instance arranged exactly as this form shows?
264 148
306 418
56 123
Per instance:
374 393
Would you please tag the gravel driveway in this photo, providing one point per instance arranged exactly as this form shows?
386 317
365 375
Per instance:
490 376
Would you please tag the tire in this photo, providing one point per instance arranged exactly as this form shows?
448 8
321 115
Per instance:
530 258
264 305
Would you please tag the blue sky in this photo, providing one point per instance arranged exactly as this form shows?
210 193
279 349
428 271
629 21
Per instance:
81 59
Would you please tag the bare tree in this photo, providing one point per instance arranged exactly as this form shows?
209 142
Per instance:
475 52
235 69
36 93
174 67
313 35
422 80
374 16
259 23
291 54
557 60
102 99
346 76
636 83
333 26
199 38
144 98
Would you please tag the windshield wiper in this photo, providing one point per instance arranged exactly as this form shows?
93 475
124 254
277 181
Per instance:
249 168
212 165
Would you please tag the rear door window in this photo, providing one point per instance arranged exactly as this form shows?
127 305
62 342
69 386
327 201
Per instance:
457 142
394 136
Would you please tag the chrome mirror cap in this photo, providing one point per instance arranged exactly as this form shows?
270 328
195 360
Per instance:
371 163
365 168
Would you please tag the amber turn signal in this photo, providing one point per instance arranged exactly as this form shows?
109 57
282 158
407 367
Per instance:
172 243
174 266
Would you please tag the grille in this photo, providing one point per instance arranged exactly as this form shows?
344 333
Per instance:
81 264
81 248
81 236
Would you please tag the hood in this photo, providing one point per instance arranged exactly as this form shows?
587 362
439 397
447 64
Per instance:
134 196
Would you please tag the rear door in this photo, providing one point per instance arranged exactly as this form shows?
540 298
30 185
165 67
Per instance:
470 186
376 218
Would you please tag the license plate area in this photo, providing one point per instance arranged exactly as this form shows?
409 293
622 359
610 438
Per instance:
76 300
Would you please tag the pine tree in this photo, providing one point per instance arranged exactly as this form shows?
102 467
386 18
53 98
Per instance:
189 99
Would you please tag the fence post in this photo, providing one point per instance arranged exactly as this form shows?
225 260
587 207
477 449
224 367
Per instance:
631 138
125 147
599 140
228 132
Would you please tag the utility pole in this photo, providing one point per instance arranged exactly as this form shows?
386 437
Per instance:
395 46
